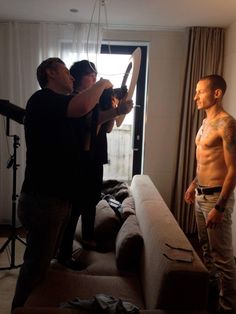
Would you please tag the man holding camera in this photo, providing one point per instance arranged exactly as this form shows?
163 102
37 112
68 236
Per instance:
44 205
92 144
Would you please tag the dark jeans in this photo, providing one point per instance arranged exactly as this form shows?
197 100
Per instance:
66 246
45 219
88 195
91 196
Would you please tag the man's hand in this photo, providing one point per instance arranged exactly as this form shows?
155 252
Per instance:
125 106
214 219
105 83
189 195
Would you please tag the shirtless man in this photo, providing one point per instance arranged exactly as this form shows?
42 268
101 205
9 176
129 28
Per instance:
212 190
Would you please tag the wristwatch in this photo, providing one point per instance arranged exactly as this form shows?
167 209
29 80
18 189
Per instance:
219 208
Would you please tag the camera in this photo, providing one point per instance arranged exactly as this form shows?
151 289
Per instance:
105 101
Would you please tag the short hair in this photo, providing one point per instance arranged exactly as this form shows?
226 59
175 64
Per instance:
79 69
50 63
216 82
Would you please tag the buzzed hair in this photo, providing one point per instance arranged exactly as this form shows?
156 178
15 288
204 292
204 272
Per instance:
216 82
50 63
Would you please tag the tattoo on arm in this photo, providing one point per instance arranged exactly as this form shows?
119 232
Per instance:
221 201
229 135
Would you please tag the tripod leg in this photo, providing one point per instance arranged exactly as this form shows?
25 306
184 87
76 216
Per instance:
13 236
13 254
21 240
5 244
12 240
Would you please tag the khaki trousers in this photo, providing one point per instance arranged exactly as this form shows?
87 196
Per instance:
217 247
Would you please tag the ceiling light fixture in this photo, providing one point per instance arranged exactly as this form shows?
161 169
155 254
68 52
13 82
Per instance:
101 4
74 10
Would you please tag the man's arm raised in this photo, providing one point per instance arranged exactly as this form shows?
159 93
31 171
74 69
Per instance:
85 101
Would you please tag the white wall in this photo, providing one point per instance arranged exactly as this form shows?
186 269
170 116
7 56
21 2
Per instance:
230 96
166 61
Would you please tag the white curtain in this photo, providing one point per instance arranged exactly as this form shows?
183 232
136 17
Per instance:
22 47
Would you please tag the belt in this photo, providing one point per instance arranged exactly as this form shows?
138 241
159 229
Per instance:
208 191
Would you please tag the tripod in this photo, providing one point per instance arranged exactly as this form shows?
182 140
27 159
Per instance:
13 232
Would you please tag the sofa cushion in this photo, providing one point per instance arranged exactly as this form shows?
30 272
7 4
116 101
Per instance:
127 207
129 245
107 224
97 263
106 227
59 287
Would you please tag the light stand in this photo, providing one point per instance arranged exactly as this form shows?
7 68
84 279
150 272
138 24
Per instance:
16 113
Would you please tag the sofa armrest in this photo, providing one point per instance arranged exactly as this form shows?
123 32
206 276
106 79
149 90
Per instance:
166 283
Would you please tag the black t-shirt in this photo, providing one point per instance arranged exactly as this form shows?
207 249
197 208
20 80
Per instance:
98 149
52 158
101 153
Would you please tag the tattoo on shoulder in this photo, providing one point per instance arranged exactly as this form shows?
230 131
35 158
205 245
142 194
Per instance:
229 133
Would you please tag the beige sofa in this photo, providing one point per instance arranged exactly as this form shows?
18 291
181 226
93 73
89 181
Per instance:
170 277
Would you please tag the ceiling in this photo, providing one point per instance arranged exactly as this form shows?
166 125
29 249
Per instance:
125 14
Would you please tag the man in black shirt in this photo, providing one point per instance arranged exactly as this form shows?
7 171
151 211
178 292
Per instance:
51 163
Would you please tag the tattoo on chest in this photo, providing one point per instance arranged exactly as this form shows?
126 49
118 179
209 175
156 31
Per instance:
224 128
207 128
